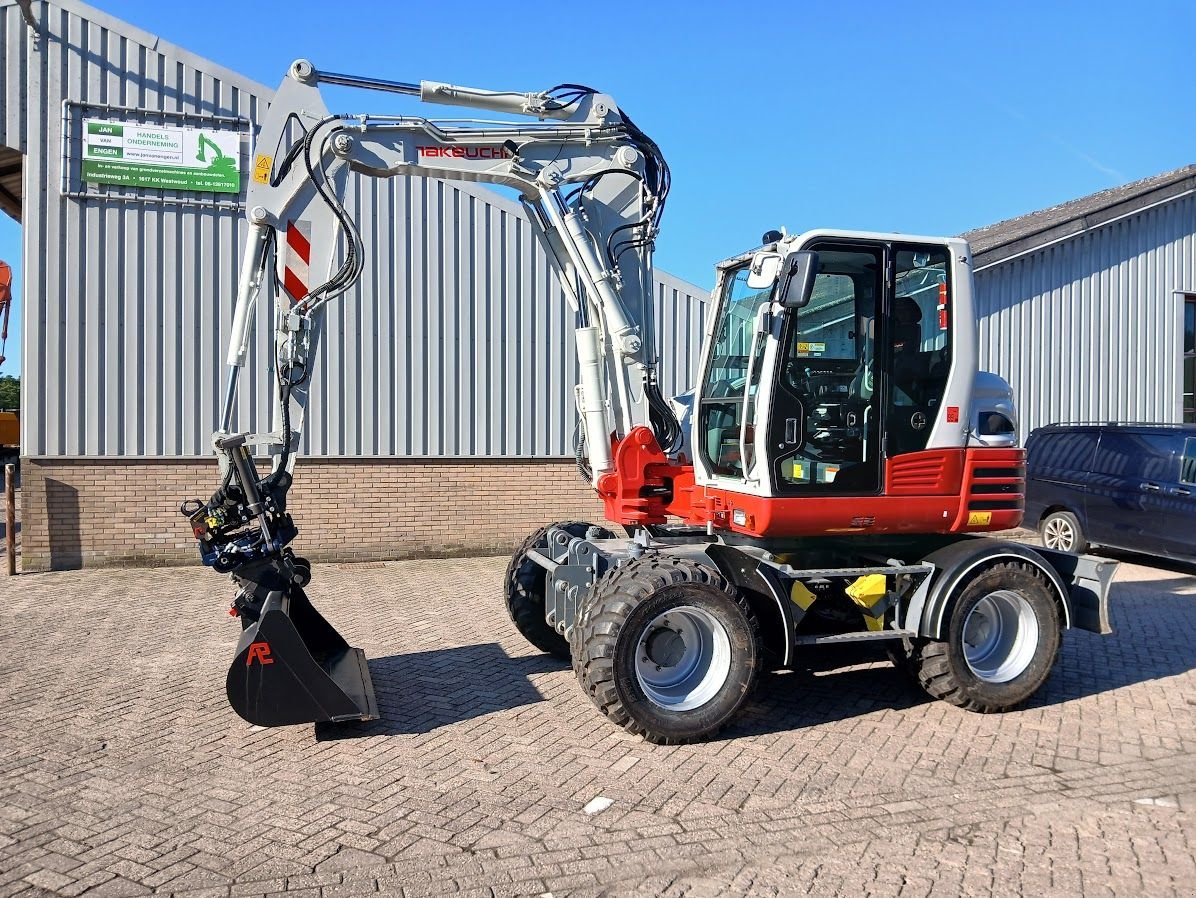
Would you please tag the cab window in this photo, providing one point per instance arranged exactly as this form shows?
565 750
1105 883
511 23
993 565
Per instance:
920 339
725 384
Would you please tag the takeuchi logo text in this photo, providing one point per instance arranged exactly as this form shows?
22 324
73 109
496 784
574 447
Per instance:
490 152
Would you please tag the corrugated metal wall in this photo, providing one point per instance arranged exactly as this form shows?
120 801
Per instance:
1090 329
457 342
460 333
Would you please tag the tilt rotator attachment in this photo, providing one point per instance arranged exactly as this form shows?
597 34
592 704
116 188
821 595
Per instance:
291 666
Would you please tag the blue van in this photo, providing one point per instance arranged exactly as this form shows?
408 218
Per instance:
1125 486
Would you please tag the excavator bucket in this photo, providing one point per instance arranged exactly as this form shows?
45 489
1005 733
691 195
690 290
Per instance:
293 667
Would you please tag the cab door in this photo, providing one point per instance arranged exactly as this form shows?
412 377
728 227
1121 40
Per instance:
918 345
825 417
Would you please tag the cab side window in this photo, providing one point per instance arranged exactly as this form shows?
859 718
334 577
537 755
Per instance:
920 337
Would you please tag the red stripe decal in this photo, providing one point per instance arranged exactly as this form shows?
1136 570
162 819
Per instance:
292 284
297 242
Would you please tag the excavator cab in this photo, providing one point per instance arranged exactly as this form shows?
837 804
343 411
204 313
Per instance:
855 390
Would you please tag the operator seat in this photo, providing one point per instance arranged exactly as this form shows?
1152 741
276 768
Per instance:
910 371
911 366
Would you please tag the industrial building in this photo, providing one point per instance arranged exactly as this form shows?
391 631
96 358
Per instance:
442 407
442 412
1088 308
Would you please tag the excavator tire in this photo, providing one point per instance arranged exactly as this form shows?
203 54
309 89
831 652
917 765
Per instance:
525 582
667 649
1002 638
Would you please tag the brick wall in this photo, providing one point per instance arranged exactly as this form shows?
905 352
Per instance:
90 512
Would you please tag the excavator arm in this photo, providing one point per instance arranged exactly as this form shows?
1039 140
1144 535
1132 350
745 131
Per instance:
594 187
593 184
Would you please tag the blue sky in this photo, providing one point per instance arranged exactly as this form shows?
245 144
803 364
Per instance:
920 118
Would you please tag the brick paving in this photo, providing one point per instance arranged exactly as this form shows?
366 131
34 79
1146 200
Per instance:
123 771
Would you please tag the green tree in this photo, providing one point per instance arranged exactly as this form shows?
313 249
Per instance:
10 392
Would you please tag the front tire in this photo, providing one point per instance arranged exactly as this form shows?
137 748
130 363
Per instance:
1003 637
1062 530
667 649
525 584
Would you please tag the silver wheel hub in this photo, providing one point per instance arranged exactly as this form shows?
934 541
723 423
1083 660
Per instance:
1000 636
683 658
1058 534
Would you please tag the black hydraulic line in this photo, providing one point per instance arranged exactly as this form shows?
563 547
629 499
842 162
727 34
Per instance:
579 453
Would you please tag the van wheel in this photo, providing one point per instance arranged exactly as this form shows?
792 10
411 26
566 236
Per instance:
1061 530
1002 639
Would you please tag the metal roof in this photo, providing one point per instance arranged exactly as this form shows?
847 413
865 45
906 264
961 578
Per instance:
1016 236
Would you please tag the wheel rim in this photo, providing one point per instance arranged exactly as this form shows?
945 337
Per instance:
1059 534
683 658
1000 636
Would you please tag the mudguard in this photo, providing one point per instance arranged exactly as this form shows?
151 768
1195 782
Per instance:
1081 583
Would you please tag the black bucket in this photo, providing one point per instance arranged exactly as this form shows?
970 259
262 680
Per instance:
293 667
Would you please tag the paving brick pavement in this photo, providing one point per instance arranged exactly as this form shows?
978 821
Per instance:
123 771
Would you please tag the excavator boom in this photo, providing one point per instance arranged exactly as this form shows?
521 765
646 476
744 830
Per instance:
594 186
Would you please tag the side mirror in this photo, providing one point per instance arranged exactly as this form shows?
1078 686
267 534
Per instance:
763 271
797 279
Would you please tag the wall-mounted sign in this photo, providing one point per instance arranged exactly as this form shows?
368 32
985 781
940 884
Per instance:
161 157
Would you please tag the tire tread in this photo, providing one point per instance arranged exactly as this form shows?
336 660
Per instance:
601 621
931 662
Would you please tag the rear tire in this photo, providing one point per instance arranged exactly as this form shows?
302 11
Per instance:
667 649
525 590
1062 530
1002 640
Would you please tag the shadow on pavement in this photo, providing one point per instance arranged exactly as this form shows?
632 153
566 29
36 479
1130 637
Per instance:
793 700
1152 620
421 691
1151 639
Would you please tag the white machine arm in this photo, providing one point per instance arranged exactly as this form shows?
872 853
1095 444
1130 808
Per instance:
593 184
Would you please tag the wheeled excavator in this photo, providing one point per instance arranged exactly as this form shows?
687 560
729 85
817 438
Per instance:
829 480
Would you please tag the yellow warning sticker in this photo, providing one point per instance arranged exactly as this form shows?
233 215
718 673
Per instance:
977 518
261 168
810 348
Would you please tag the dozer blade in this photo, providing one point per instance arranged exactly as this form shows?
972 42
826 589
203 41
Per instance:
293 667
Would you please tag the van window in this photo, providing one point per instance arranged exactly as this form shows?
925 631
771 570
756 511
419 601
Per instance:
1121 454
1056 455
1158 455
1187 466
